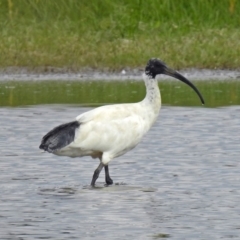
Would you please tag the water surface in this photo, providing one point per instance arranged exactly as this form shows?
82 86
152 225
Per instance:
175 93
180 182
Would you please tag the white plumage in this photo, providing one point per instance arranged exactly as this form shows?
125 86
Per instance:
110 131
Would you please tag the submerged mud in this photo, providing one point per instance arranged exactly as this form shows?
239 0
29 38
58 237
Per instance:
22 74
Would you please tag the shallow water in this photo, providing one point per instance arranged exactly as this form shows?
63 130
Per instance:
180 182
93 93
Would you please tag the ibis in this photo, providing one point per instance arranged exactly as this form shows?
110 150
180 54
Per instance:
110 131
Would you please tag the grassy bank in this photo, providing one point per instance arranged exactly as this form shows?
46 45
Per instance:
114 34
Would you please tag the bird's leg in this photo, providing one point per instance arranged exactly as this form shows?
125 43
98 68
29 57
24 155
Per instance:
96 173
109 181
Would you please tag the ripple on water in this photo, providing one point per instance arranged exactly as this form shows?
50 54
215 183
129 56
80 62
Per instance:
181 182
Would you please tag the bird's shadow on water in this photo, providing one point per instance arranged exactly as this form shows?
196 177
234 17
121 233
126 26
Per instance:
69 191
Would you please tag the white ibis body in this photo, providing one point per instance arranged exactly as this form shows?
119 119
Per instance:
110 131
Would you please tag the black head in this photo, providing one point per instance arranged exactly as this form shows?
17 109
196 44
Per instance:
156 66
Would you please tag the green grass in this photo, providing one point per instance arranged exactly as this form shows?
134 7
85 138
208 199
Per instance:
110 35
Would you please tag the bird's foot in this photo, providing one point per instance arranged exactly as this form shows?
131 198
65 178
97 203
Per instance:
109 181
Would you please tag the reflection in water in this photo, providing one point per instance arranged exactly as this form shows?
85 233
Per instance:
181 182
161 235
93 93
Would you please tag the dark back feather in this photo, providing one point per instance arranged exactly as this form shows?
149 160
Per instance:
59 137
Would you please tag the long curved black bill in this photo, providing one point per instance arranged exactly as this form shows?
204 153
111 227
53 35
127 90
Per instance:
172 73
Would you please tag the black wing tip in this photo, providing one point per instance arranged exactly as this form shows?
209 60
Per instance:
45 148
59 137
42 147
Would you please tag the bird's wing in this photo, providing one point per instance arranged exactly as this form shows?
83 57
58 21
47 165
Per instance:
59 137
116 133
109 113
113 128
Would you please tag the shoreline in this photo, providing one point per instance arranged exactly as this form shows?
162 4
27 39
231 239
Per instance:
54 74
